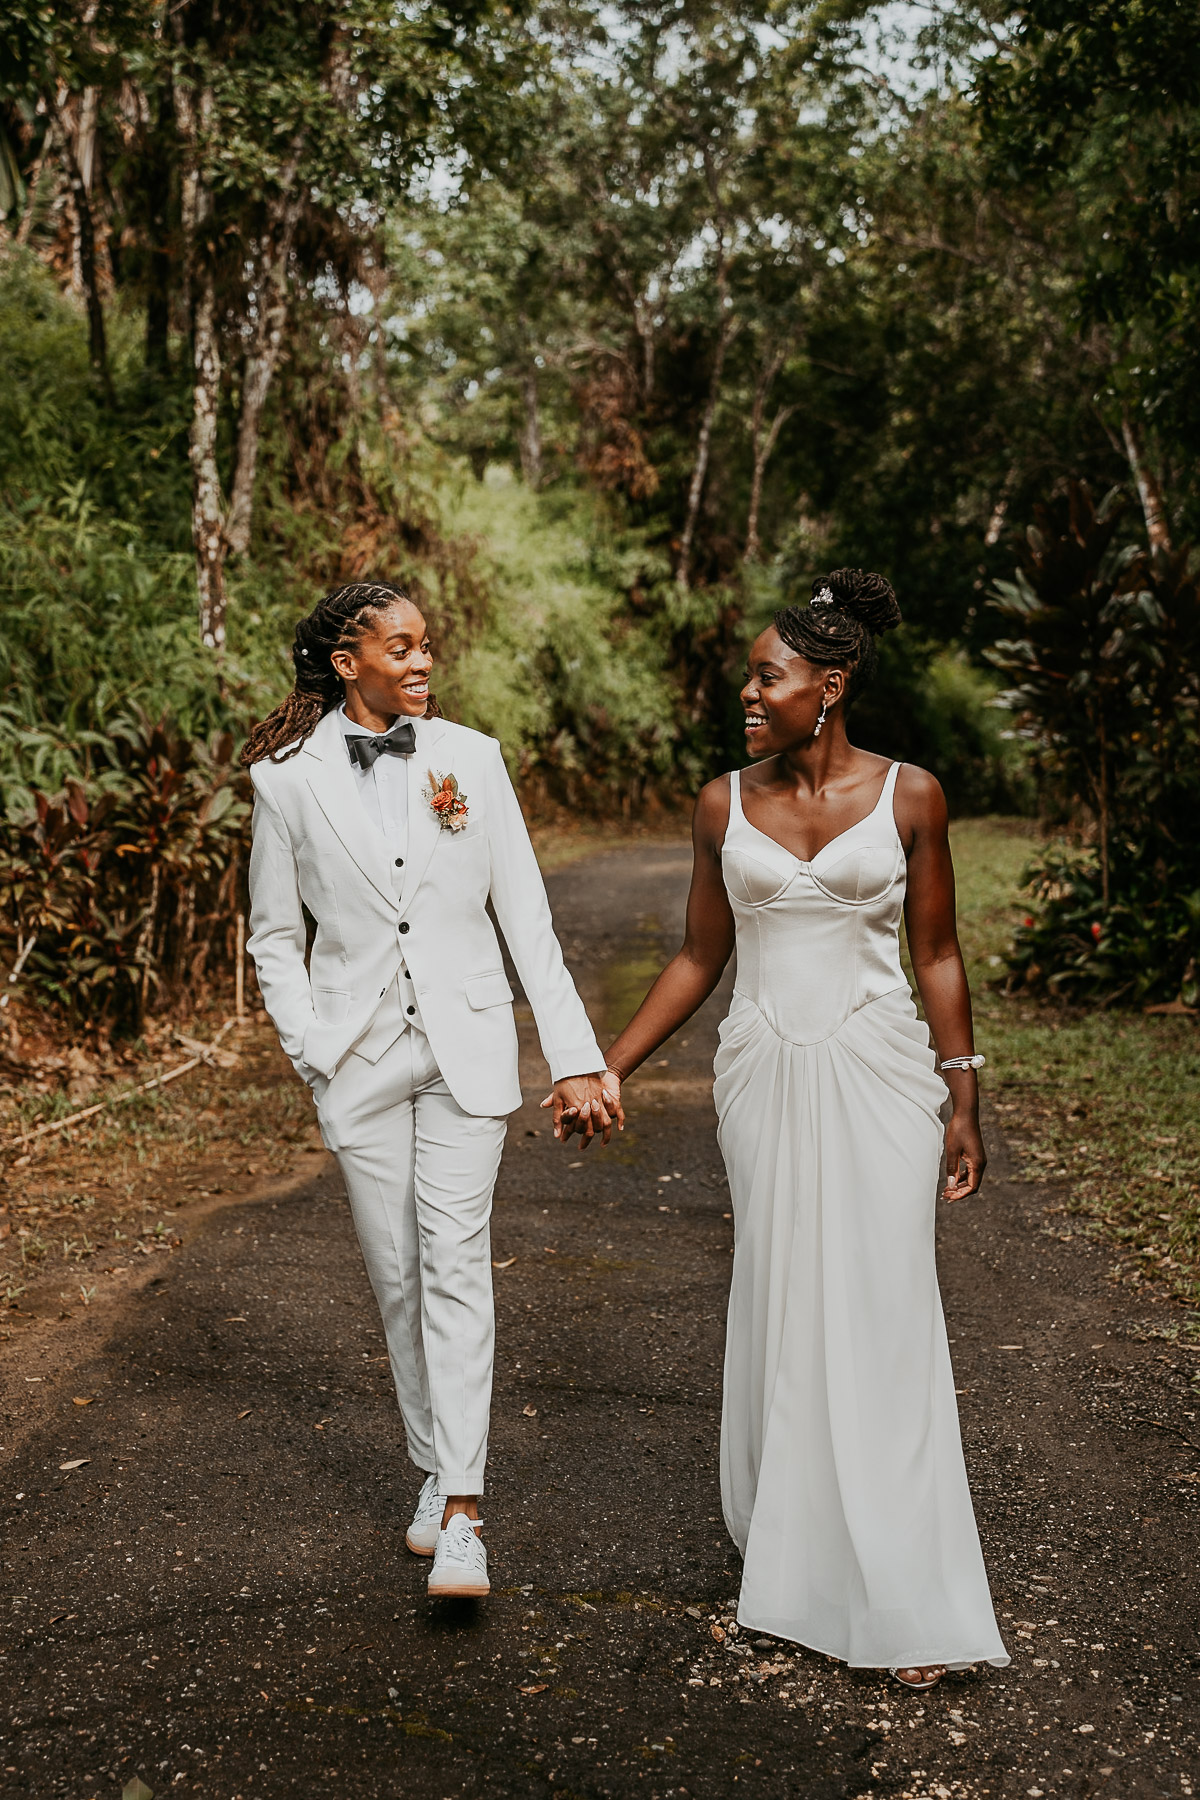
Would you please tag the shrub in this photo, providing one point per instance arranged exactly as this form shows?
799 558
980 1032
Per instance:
1107 668
127 886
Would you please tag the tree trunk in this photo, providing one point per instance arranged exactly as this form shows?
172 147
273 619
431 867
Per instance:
643 322
85 252
264 353
33 193
1154 509
729 330
158 297
529 438
762 456
760 447
208 526
200 287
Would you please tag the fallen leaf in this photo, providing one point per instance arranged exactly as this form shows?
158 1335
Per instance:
77 1464
324 1423
538 1687
530 1412
246 1414
505 1265
83 1400
718 1632
136 1790
58 1618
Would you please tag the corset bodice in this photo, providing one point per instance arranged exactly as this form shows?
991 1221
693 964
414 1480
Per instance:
816 940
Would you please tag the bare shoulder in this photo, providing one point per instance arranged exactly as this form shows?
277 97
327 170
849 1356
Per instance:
920 804
710 817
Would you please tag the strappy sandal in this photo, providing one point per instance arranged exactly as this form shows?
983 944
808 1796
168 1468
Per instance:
926 1682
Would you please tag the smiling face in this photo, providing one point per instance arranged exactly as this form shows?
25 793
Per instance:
783 695
387 671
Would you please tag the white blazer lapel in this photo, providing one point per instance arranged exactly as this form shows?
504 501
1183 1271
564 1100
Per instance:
332 781
424 827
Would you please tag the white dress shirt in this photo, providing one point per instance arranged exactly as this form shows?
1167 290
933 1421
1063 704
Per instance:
383 788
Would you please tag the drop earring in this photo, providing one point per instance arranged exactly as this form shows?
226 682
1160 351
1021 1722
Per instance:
821 718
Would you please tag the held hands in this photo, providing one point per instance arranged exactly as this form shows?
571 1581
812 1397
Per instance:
588 1104
966 1158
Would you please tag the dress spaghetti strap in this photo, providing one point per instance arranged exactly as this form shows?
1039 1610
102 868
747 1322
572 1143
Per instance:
736 815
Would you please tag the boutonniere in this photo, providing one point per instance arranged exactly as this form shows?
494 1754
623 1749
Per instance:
447 800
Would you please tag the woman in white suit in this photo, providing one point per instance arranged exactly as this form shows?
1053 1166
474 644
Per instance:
395 828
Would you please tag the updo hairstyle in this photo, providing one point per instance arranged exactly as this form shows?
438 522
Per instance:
849 609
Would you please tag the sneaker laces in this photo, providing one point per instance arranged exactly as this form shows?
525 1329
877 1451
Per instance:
430 1504
461 1543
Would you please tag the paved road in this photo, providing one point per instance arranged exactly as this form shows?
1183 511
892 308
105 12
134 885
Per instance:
218 1600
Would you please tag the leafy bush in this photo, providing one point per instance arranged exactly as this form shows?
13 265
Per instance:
1140 948
1107 667
119 895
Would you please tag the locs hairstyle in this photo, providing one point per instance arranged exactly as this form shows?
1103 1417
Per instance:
849 609
335 623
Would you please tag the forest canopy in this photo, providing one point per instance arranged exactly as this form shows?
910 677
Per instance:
606 329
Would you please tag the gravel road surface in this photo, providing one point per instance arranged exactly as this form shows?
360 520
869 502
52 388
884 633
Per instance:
205 1585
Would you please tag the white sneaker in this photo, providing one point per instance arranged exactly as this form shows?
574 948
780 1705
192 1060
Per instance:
459 1569
422 1534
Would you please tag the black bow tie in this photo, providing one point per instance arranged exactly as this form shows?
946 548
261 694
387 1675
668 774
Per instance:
401 740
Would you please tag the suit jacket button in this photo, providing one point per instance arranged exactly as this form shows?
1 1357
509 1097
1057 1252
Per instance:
412 1009
399 862
403 926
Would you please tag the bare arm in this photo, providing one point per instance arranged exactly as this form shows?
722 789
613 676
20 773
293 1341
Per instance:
929 919
695 969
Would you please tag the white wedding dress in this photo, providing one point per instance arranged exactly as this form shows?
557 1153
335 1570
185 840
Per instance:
841 1465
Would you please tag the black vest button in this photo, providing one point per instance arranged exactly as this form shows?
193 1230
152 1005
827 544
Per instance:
403 926
399 862
412 1009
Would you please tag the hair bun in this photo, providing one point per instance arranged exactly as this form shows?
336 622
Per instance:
861 595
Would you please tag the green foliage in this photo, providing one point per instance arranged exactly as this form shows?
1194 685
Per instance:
1107 673
1139 948
1095 107
581 693
127 885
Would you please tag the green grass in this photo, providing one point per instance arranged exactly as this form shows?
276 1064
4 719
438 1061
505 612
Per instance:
1102 1104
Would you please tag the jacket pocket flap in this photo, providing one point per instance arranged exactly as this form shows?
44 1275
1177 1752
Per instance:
331 1005
490 989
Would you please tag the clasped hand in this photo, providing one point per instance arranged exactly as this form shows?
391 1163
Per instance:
588 1104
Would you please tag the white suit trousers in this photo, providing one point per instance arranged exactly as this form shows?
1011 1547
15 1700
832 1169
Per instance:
419 1173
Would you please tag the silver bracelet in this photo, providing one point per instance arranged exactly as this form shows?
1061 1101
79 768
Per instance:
963 1062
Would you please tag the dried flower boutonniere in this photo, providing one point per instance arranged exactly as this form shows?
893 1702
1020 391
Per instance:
447 801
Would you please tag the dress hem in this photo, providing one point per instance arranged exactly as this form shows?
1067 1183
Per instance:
923 1661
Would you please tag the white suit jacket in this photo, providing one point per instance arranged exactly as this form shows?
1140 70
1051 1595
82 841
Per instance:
315 847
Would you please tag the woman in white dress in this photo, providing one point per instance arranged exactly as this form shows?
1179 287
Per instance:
841 1465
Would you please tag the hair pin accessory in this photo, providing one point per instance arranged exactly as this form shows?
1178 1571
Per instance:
823 597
